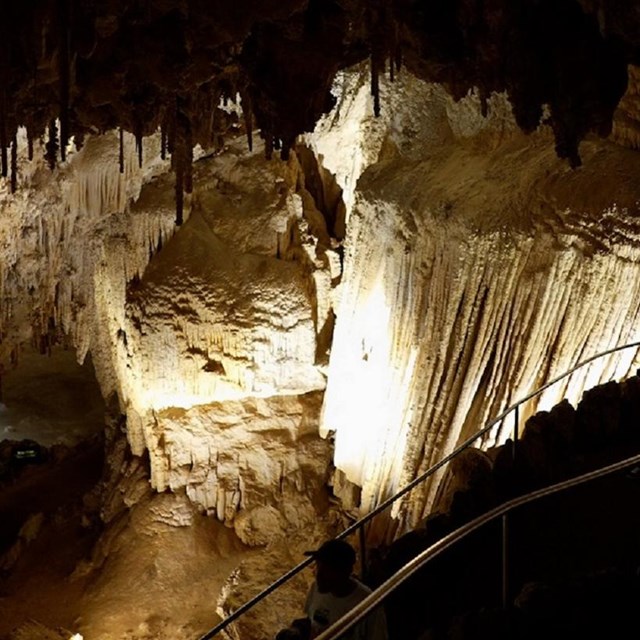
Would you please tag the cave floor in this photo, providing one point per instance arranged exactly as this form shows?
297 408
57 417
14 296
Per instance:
139 577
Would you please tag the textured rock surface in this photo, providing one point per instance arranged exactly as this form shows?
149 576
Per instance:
256 572
237 307
557 445
60 230
472 257
257 464
175 60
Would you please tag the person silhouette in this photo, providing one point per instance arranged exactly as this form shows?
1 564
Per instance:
333 593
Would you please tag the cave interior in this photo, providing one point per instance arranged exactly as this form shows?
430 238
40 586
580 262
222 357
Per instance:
263 263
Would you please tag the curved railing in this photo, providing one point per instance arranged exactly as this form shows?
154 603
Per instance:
376 598
359 525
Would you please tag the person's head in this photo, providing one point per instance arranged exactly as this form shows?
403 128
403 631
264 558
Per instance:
334 564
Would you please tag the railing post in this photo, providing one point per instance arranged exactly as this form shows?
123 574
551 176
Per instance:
505 563
363 553
516 422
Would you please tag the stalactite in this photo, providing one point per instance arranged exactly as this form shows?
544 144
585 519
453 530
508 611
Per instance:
163 141
247 112
285 147
171 129
139 145
183 157
78 140
268 145
375 84
179 157
52 145
3 154
64 72
214 115
14 163
398 57
188 151
3 98
121 150
179 190
3 136
484 95
394 49
29 143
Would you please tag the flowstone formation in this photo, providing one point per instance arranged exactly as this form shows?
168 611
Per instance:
477 267
213 340
464 262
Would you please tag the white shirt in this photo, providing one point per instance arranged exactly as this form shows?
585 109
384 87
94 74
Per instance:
323 609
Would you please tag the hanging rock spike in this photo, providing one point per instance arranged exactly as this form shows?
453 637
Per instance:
121 151
3 99
179 191
3 153
63 70
398 57
29 144
139 146
247 112
14 163
52 145
171 130
3 139
188 161
268 146
375 85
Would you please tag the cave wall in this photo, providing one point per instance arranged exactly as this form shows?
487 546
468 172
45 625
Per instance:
212 340
477 267
473 254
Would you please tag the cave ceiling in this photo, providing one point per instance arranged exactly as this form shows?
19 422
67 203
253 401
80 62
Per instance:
73 67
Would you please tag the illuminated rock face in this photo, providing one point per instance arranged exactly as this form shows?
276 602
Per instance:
256 464
57 231
472 256
229 313
476 269
227 309
210 338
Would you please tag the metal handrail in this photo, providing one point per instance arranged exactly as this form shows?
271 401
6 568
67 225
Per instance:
375 598
406 489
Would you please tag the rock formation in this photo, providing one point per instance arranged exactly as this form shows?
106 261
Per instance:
477 267
446 227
